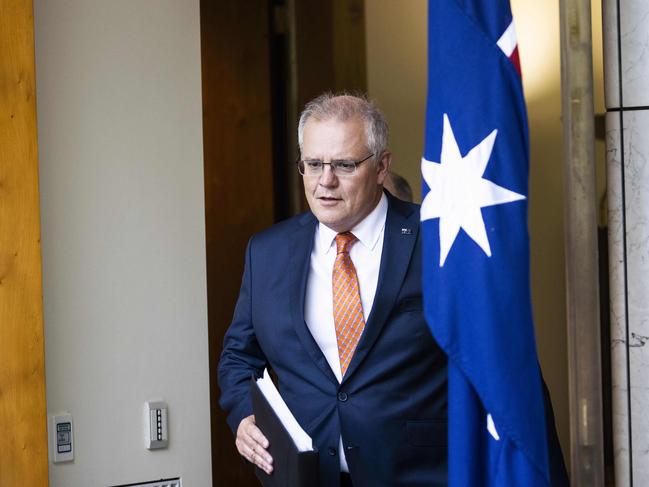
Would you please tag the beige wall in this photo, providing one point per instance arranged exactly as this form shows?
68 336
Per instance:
123 236
396 77
396 57
539 45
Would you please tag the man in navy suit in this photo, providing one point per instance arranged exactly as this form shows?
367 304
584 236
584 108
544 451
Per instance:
375 406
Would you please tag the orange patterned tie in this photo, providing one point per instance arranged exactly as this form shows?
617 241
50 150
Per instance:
348 310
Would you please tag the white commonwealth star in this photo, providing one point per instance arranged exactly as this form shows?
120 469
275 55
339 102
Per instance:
458 191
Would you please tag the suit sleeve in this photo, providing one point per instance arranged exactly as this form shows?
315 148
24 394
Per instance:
242 356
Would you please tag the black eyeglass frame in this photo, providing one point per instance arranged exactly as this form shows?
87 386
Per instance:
333 164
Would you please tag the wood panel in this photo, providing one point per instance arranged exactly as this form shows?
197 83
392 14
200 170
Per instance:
330 47
23 436
329 54
238 179
349 61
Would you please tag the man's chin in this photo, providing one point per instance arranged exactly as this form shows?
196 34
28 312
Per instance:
330 219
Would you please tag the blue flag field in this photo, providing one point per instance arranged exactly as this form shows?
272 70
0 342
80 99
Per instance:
476 245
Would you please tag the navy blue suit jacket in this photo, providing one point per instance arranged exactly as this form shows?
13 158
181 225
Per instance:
391 405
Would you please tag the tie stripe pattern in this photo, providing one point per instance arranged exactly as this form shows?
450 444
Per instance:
348 310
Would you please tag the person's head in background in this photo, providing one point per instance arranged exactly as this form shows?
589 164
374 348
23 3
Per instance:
398 186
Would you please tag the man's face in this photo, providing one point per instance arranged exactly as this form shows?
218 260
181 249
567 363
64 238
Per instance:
340 202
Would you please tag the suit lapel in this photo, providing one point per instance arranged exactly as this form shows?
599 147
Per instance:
401 229
300 249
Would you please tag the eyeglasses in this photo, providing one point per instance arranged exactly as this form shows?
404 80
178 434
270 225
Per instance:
315 167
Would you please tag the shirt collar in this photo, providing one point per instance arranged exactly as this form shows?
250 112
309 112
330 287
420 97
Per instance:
367 231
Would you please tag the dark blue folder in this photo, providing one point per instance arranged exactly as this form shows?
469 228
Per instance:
291 468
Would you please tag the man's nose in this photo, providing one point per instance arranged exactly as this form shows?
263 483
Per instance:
327 178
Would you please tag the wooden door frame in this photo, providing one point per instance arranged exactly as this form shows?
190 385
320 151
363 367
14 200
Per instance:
23 441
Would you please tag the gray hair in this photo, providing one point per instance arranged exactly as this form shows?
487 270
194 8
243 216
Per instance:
345 107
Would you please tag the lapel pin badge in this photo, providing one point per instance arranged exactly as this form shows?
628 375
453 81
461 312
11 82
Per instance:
406 231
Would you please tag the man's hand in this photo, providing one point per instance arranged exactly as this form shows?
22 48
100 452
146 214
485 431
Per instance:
252 444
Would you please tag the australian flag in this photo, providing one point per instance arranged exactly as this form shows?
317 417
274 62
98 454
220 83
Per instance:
476 246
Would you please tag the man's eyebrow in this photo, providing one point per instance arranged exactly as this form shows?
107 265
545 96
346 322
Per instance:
338 159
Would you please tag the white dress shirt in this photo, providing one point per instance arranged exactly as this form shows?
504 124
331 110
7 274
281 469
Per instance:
318 305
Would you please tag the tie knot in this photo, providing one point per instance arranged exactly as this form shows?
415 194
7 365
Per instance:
344 241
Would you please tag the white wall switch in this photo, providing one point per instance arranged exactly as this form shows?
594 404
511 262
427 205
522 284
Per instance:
155 425
61 435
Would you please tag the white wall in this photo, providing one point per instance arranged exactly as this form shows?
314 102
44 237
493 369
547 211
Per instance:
119 121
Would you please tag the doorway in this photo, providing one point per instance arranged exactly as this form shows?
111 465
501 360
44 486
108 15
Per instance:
261 61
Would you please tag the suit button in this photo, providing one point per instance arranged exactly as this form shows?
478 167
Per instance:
332 451
342 396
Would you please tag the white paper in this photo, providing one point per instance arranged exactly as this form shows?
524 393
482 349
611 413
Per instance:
302 440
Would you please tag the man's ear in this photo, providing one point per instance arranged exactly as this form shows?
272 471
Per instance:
383 166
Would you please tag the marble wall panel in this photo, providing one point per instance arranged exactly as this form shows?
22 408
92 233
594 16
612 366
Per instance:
636 134
628 204
629 290
634 22
610 40
617 290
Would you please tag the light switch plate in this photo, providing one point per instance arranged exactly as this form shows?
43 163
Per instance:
61 435
156 432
